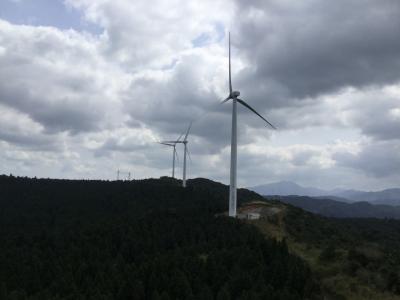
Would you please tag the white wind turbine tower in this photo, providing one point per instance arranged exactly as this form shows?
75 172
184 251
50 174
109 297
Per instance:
186 151
174 154
233 95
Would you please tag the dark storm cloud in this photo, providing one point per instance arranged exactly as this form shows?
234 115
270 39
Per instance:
307 48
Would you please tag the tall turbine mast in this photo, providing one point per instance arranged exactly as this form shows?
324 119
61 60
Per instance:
233 95
173 160
185 141
233 173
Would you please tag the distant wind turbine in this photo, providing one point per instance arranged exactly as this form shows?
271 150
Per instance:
233 95
174 154
186 151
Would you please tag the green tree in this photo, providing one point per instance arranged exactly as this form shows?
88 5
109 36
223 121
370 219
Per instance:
223 294
328 253
180 286
3 291
165 296
205 293
155 296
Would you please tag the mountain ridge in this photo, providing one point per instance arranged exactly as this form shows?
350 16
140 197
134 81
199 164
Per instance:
389 196
337 209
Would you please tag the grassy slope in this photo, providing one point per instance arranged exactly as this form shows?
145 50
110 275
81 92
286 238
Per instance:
336 281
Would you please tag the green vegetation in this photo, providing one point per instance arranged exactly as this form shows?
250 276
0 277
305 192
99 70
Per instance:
354 258
149 239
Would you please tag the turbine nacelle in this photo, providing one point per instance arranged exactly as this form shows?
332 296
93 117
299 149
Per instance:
235 94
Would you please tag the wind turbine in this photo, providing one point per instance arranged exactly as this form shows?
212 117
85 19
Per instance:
233 95
186 151
174 154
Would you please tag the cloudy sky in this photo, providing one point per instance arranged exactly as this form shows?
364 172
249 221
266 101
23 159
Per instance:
89 87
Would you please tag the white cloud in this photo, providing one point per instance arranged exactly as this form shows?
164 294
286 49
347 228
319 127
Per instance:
142 35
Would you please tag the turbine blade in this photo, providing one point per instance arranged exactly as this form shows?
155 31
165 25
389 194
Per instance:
230 78
254 111
165 143
223 101
176 155
179 137
187 132
171 142
187 151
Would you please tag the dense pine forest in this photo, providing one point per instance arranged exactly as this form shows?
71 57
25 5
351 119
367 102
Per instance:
148 239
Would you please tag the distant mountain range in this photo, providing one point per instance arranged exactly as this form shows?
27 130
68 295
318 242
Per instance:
285 188
388 196
337 209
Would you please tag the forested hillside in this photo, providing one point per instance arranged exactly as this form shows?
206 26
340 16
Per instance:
355 259
149 239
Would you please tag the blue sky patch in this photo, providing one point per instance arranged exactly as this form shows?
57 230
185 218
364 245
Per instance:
205 38
45 13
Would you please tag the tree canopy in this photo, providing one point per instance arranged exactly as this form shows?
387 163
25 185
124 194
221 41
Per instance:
148 239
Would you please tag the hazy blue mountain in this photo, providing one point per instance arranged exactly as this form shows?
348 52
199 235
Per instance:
388 196
335 198
285 188
337 209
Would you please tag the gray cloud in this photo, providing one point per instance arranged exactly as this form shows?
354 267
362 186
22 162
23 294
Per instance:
33 142
168 104
56 78
313 47
377 114
380 159
18 129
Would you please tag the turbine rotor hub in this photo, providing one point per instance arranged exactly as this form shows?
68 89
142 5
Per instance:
235 94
